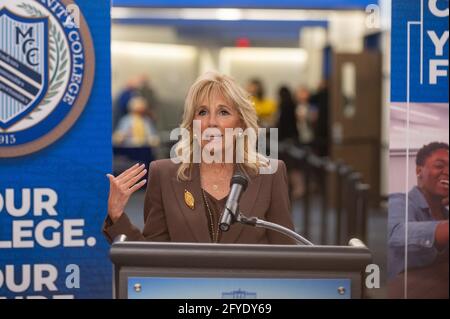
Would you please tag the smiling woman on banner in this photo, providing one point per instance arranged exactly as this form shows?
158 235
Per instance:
186 194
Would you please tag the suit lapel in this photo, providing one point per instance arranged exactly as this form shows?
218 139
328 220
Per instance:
246 206
196 217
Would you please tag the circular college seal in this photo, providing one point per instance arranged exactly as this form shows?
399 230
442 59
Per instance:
47 68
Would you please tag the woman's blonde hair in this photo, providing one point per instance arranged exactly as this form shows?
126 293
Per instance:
206 87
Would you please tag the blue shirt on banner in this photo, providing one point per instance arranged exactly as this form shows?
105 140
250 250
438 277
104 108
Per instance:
421 232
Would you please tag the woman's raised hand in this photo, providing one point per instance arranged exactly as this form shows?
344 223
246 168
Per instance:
121 188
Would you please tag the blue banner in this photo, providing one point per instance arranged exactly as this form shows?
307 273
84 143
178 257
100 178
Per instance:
55 148
419 51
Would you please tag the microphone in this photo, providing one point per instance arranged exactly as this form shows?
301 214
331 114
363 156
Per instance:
238 185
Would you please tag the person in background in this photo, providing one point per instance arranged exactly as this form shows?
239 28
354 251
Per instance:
148 93
288 134
306 116
135 129
321 128
266 109
287 125
427 226
120 108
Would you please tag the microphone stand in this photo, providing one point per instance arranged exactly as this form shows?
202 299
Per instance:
256 222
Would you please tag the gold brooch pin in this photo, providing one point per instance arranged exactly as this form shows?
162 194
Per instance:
189 199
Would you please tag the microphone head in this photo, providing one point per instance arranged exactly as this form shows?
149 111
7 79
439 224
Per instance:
239 179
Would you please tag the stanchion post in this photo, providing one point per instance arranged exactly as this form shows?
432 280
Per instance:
342 172
361 213
307 197
352 200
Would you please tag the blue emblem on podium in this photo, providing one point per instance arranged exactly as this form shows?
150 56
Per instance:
239 294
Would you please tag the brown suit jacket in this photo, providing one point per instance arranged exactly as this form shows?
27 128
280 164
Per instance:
168 218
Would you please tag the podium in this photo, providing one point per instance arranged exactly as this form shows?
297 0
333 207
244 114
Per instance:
152 270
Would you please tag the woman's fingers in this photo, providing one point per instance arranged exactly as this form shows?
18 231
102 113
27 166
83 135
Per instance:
137 186
132 177
130 182
112 180
125 184
130 171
